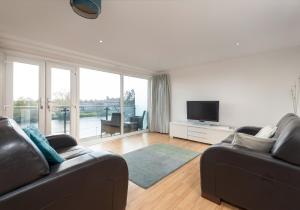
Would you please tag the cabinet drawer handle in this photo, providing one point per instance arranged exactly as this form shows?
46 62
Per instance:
198 132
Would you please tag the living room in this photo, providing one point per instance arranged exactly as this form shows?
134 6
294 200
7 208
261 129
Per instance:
149 104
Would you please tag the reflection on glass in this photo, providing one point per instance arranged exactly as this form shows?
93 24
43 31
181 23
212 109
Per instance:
99 104
25 94
135 104
60 100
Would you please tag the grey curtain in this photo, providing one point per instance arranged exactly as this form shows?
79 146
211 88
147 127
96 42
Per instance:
161 96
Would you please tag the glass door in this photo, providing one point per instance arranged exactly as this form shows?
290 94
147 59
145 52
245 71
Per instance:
60 99
135 104
25 92
55 99
100 114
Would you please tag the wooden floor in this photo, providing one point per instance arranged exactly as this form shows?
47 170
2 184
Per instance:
180 190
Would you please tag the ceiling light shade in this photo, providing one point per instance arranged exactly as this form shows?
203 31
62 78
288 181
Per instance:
87 8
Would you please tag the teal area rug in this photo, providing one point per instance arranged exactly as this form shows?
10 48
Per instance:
150 164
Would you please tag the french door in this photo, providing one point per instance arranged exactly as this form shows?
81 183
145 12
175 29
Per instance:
51 97
41 94
60 99
25 92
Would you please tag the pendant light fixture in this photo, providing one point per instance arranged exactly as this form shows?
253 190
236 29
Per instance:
87 8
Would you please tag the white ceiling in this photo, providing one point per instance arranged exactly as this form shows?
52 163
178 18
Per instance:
158 34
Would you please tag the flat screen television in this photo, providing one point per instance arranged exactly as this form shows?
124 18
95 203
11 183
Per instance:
203 110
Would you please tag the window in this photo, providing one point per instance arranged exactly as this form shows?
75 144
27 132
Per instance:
47 95
60 100
25 94
135 104
100 113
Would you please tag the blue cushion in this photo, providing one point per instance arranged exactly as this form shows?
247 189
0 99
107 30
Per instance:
41 142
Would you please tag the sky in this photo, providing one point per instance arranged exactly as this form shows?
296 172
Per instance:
94 85
98 85
26 81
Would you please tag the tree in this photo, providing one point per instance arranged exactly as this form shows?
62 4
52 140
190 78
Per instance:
129 104
62 98
25 106
129 98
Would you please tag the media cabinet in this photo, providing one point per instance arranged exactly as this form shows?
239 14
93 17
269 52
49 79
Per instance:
209 134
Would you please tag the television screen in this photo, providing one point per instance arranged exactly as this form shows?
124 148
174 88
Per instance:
203 110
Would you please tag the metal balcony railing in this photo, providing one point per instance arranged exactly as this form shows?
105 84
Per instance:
90 117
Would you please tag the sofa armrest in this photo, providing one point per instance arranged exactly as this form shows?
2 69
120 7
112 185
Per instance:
61 140
94 181
225 165
251 130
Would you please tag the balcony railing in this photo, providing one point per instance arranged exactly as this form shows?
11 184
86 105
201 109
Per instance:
90 117
105 111
26 115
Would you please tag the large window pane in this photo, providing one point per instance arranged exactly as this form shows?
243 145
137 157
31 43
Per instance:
135 104
99 104
60 100
25 94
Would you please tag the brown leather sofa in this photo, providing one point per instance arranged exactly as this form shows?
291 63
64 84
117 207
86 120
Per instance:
254 180
86 180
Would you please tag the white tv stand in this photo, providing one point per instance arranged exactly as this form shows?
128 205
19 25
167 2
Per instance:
209 134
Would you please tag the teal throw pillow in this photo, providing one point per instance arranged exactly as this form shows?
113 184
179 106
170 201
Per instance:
41 142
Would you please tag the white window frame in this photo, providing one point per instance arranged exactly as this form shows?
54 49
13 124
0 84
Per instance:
6 88
122 103
2 87
148 103
78 100
8 93
73 95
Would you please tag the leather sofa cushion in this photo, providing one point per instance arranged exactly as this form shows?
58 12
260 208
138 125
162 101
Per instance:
42 143
21 162
283 122
72 152
253 142
229 139
287 146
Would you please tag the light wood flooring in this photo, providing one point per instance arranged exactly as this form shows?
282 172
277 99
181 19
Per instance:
179 190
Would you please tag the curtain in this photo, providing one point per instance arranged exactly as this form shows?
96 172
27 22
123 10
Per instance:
161 96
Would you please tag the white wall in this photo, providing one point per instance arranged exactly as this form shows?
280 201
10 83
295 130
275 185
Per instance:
253 90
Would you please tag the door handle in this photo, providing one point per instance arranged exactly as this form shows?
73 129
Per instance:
49 103
41 103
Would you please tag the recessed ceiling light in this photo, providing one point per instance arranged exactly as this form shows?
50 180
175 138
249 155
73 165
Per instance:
237 44
100 41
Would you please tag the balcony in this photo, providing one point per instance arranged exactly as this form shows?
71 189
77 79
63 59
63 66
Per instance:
89 120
